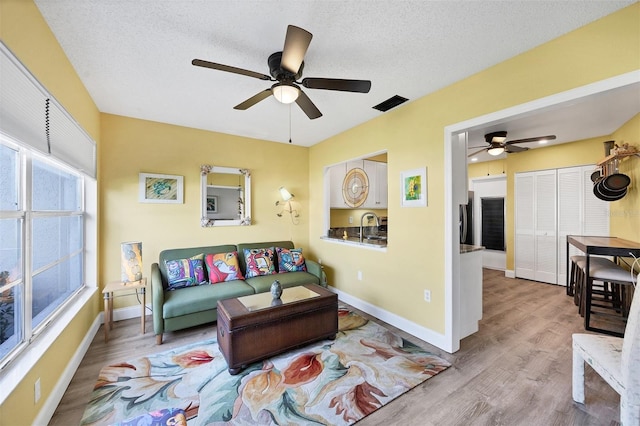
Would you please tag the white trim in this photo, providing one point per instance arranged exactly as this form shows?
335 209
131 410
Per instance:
15 371
422 333
451 299
510 273
49 407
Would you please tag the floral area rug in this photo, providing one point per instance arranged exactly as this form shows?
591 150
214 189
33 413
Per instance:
331 382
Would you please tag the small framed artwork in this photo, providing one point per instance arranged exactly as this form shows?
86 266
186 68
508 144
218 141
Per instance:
212 204
414 187
154 188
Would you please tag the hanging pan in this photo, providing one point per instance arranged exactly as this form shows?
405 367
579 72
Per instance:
616 181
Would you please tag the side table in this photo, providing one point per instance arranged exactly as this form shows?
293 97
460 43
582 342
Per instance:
117 286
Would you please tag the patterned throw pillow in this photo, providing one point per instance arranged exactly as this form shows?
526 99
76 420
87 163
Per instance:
185 272
259 262
223 267
290 260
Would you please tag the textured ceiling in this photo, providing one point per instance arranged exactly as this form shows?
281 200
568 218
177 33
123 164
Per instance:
135 56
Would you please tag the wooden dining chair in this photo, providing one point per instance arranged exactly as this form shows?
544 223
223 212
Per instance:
616 360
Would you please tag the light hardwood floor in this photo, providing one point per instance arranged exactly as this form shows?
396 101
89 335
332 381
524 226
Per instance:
515 371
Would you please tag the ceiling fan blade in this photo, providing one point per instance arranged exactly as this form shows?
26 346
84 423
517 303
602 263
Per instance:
536 139
307 106
477 152
254 100
359 86
227 68
296 44
513 148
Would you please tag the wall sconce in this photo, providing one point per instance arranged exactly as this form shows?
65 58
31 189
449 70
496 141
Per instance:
131 262
287 205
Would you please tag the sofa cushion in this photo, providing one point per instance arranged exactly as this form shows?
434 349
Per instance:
263 283
185 272
290 260
201 298
259 261
223 267
183 253
243 246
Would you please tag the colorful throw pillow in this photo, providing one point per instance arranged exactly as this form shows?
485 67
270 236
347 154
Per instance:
185 272
290 260
259 262
223 267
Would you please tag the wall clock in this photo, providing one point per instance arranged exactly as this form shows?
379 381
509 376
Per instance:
355 187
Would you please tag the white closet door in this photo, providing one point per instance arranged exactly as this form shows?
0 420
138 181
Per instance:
596 211
545 226
524 226
570 217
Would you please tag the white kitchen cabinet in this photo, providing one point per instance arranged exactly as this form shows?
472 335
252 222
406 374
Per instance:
470 292
378 185
376 172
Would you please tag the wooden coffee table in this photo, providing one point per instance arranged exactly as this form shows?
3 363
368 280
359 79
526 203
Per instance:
252 328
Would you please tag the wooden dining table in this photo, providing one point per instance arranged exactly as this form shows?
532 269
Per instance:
604 246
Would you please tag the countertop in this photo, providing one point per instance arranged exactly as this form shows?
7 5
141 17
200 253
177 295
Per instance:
355 240
466 248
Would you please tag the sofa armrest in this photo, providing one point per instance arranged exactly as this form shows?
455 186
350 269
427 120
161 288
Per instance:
315 268
157 298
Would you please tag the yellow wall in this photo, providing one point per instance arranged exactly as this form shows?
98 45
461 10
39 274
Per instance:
340 217
625 213
487 168
24 31
413 137
137 146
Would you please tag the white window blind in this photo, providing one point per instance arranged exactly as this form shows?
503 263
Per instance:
30 115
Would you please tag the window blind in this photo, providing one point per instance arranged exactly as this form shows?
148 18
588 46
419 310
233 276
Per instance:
30 115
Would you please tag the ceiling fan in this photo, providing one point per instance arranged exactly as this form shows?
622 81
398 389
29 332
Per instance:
286 69
498 143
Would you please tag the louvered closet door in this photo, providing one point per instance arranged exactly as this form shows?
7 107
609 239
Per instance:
524 226
545 227
596 211
570 202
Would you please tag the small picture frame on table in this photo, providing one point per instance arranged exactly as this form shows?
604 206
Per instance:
156 188
413 187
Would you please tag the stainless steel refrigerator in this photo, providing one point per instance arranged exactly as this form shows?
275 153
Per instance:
466 221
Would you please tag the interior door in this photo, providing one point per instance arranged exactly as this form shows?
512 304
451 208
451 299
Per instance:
545 227
524 226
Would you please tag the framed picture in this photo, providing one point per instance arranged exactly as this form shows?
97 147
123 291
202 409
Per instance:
414 187
212 204
154 188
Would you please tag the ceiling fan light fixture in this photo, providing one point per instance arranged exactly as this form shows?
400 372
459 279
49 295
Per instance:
495 149
285 93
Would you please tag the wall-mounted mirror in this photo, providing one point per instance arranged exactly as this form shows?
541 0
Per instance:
226 196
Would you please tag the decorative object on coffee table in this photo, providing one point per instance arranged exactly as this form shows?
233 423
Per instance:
276 290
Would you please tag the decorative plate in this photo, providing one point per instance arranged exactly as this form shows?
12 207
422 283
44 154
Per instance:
355 187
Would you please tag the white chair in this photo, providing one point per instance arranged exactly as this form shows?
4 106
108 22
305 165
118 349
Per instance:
617 360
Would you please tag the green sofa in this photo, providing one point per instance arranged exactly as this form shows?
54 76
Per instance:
191 306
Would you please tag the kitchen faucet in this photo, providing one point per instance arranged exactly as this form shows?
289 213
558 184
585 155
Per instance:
362 219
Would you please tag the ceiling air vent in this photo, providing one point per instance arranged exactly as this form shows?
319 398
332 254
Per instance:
392 102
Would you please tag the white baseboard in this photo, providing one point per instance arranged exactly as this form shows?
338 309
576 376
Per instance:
509 273
52 402
422 333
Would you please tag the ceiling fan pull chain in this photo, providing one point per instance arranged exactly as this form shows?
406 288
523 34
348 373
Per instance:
289 123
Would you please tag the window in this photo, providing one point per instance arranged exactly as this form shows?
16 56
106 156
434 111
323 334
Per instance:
41 242
493 223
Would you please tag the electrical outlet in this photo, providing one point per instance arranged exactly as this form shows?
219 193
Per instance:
350 219
427 295
36 390
359 275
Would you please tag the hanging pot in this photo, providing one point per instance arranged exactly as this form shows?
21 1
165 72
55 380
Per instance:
608 195
596 175
615 181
